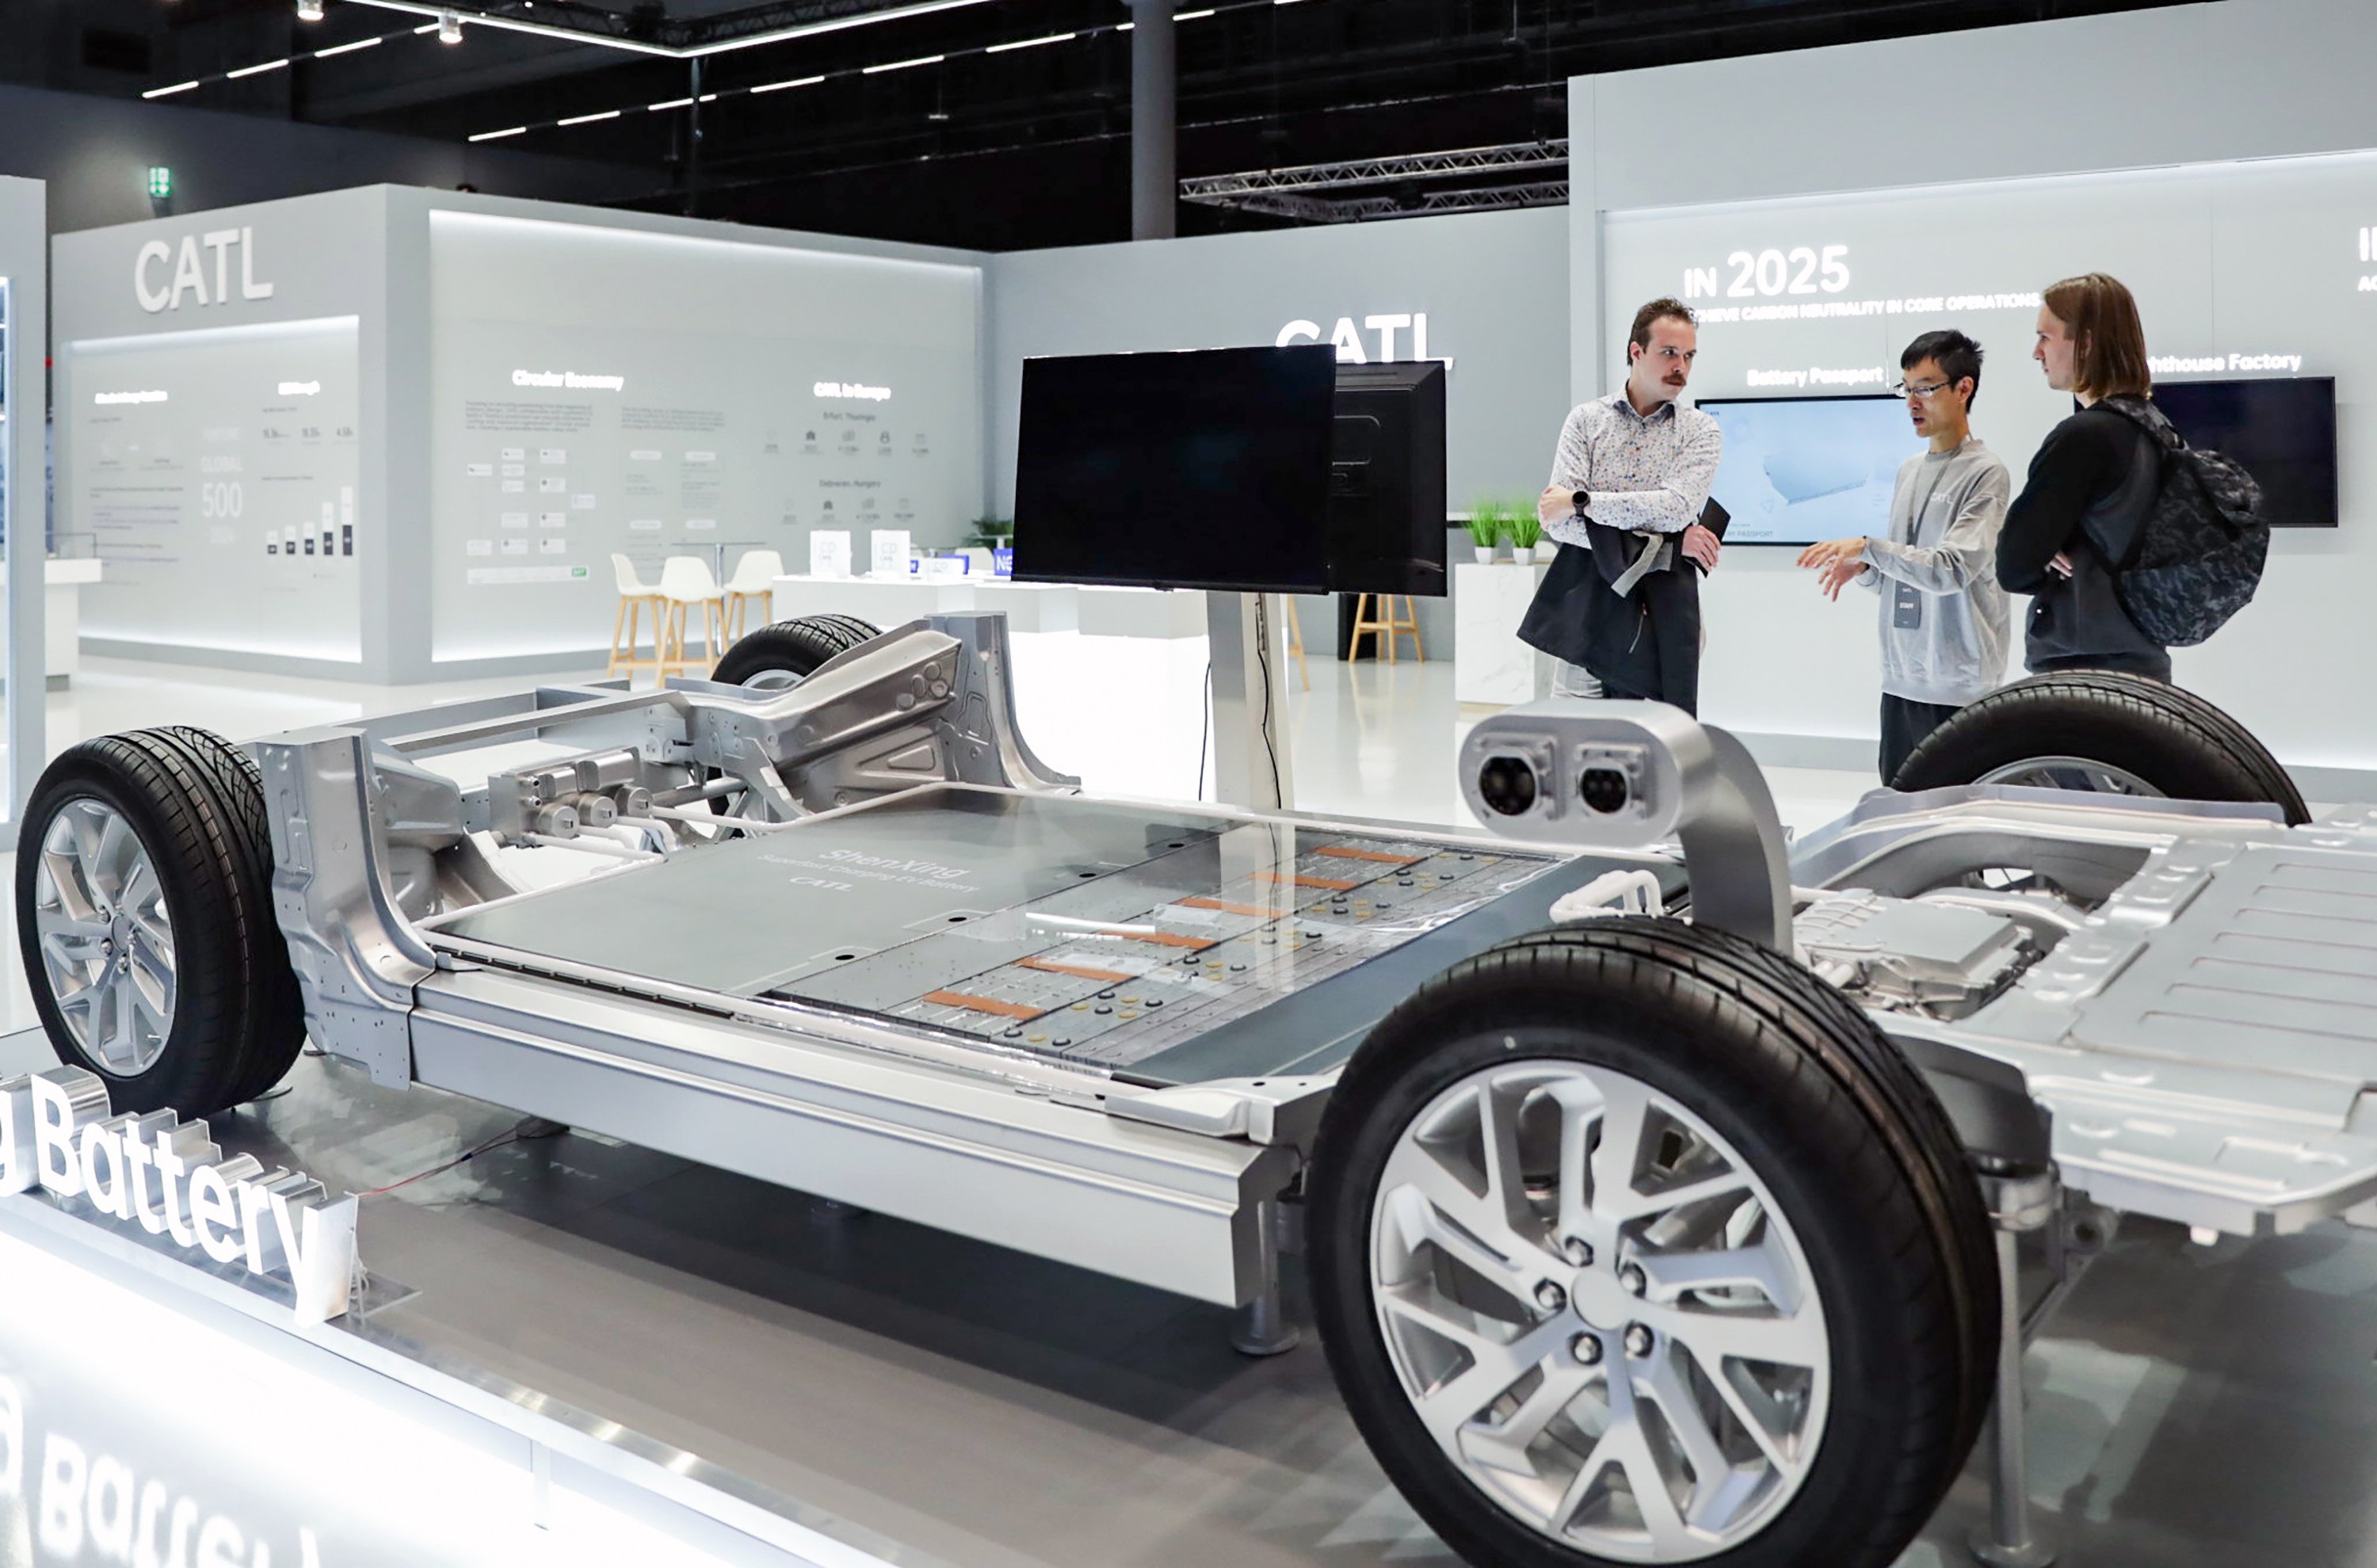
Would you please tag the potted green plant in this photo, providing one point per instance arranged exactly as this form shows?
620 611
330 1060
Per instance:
1488 520
1526 534
992 534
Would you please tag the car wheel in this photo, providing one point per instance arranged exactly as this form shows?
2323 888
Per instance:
1634 1242
2104 731
787 652
144 912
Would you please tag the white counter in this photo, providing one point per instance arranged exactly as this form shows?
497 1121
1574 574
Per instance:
63 581
1029 606
1490 663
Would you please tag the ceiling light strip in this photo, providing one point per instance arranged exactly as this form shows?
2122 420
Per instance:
1032 42
589 119
672 103
349 48
168 91
280 63
671 52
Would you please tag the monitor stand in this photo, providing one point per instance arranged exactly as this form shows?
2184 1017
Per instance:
1253 766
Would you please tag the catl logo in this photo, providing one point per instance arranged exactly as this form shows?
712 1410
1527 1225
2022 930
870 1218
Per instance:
1348 343
157 289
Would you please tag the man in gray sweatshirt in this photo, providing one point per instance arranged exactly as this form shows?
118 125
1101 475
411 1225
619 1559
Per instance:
1945 622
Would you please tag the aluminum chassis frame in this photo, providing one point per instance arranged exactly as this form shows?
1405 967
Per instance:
1181 1187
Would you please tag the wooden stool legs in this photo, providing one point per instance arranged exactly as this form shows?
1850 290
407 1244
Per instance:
1375 617
1296 639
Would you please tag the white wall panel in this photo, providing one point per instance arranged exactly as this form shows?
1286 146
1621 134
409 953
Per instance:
2188 150
716 434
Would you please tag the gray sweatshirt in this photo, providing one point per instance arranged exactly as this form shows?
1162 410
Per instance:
1945 623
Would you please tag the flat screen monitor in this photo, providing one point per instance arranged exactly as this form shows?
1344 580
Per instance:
1386 481
1201 470
1797 469
2282 430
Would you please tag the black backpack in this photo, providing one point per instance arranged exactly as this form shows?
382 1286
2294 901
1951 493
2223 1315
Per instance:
2199 550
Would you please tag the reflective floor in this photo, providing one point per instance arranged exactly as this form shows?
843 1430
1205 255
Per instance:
129 1435
935 1401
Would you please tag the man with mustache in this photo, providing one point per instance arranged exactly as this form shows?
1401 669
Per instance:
1619 611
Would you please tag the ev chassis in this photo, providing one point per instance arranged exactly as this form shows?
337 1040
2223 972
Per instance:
2107 998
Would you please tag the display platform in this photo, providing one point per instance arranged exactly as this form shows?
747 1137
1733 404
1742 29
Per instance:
830 1385
813 1384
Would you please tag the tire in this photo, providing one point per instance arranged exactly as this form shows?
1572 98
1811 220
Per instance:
190 807
2135 734
785 654
1870 1213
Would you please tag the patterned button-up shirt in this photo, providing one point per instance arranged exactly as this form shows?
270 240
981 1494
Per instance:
1647 473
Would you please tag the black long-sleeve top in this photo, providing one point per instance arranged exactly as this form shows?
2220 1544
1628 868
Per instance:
2090 486
2082 463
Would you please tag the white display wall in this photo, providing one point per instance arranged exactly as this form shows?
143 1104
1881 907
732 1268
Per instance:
24 303
397 435
216 472
2237 218
597 390
2239 270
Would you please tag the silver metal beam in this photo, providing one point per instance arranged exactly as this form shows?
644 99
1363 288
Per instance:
1362 209
1155 72
1380 171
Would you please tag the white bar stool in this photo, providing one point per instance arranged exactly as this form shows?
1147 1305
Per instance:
754 577
685 582
636 595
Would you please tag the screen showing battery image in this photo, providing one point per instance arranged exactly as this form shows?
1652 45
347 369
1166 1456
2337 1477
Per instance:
2283 431
346 538
1799 470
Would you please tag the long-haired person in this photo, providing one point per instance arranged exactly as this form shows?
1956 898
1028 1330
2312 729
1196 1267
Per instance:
2089 489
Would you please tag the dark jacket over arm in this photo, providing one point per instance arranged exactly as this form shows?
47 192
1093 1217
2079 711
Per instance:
2090 486
2082 462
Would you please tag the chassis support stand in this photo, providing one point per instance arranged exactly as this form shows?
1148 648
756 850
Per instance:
2017 1203
1263 1328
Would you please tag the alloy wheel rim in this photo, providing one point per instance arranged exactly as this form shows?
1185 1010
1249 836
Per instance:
1599 1313
771 680
2072 772
105 937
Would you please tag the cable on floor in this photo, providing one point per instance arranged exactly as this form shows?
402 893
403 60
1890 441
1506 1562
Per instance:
519 1132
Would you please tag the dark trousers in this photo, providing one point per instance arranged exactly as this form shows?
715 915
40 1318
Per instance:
2153 666
1905 723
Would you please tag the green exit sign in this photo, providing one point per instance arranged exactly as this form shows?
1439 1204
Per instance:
161 181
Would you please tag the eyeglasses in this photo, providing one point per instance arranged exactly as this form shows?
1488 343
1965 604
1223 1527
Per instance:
1908 389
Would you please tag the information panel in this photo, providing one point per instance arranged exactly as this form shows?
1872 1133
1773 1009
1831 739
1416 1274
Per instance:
216 470
597 392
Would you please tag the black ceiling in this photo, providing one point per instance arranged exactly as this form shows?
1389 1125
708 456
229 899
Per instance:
994 149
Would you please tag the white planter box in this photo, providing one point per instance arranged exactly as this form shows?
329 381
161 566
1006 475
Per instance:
1490 663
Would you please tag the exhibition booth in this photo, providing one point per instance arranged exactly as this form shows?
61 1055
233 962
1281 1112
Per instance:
924 1136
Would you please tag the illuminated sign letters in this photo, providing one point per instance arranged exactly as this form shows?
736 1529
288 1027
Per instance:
167 1175
1803 270
162 277
570 379
1348 343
